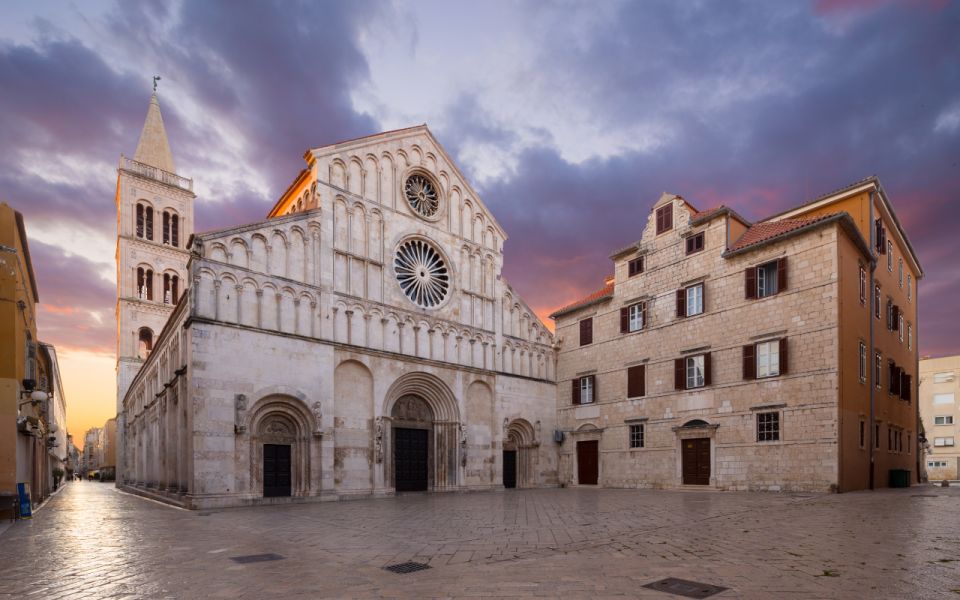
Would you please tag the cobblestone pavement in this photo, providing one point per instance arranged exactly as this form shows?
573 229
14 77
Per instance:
92 541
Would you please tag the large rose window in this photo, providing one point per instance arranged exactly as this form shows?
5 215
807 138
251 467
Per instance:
422 273
421 193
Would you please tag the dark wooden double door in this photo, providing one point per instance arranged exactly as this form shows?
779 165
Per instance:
411 459
588 462
696 461
276 470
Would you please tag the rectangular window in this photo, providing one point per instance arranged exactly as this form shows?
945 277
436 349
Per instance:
876 436
909 337
583 389
767 280
636 314
944 377
876 301
768 426
635 266
890 256
943 420
943 442
586 331
863 434
695 372
863 285
877 369
695 243
694 297
943 398
900 272
768 359
900 325
664 218
863 362
909 288
636 435
889 314
636 381
936 463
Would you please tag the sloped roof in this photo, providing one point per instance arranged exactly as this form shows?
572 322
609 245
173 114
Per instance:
768 230
597 296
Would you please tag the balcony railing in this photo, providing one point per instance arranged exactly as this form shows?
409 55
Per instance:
128 164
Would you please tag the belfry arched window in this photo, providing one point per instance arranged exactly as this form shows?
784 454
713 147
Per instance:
144 283
144 342
144 221
171 228
171 283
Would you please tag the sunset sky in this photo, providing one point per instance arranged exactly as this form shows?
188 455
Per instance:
569 118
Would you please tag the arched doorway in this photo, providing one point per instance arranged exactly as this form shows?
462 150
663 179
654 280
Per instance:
519 455
282 447
422 431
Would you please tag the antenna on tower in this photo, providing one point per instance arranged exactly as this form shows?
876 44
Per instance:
156 78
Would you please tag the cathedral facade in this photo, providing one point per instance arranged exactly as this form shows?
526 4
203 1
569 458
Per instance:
358 341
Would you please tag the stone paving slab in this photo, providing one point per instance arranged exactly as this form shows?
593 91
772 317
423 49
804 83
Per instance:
92 541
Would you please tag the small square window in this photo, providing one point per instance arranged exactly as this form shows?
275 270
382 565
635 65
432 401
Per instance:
635 266
637 435
694 296
664 218
768 426
767 280
768 359
695 243
695 372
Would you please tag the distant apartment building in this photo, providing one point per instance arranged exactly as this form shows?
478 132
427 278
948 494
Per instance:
776 355
108 450
92 451
939 388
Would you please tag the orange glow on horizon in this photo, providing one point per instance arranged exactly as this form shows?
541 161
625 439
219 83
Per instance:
89 381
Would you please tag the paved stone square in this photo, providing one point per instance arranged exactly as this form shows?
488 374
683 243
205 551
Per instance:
92 541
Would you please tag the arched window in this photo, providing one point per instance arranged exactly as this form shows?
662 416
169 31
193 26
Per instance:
145 339
144 221
171 283
166 228
175 230
144 283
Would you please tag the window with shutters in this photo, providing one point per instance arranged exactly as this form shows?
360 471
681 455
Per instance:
635 266
893 378
636 381
586 389
876 301
890 256
695 371
695 243
664 218
909 288
636 435
694 300
863 285
768 427
767 280
877 369
586 331
863 435
863 362
768 359
633 317
943 420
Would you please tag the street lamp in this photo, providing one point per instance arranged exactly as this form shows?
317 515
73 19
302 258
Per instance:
36 396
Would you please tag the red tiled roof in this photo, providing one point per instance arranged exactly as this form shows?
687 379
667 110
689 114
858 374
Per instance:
700 214
762 232
604 292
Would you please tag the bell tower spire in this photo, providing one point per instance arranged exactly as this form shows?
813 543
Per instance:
153 148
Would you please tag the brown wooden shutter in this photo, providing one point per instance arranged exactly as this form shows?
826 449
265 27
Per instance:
625 319
784 357
707 377
893 378
878 235
681 303
907 392
660 220
643 311
586 331
635 381
749 361
576 390
679 374
593 387
896 318
750 283
668 217
781 274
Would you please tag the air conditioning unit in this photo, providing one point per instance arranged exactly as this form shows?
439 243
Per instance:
558 436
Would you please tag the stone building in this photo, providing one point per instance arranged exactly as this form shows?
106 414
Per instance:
939 386
777 355
358 341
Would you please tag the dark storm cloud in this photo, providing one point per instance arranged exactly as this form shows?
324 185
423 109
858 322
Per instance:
766 105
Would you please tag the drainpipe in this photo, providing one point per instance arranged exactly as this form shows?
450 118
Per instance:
873 352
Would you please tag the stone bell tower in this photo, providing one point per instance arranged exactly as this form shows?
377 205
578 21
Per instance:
154 222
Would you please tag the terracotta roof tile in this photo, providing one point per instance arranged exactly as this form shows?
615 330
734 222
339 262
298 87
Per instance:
604 292
762 232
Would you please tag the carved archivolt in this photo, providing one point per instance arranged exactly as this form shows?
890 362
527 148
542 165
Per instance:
412 408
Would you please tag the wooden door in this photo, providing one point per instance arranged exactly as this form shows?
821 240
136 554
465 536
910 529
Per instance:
276 470
696 461
588 462
410 459
509 468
